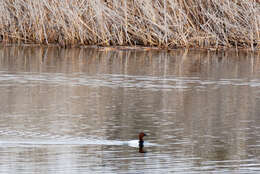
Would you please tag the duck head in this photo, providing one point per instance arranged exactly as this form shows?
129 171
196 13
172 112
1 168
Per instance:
141 135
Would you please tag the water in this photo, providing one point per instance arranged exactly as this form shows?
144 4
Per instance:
74 110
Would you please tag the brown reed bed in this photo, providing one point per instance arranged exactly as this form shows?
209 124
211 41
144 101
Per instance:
153 23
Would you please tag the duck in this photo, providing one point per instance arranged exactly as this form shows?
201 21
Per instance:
141 141
138 143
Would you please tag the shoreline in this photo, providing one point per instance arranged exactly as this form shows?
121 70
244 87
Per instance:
130 48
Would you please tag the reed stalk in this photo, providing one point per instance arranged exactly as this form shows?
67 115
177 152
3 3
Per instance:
160 23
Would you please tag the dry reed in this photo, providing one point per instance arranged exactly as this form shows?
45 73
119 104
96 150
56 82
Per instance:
161 23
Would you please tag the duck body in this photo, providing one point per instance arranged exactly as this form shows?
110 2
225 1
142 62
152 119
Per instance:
133 143
137 143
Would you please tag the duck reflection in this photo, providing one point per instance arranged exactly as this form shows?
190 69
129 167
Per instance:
141 149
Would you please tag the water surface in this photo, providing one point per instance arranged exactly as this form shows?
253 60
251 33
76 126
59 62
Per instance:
73 111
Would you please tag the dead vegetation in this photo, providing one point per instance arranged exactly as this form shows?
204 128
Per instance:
160 23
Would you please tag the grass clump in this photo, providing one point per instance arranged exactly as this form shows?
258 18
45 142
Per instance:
160 23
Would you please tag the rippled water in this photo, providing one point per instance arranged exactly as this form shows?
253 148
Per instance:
74 111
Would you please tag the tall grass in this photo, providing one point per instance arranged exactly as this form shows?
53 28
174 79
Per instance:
162 23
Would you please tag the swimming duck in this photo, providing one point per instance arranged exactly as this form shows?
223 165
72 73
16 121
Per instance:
138 143
141 141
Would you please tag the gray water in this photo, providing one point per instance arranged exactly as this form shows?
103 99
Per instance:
74 110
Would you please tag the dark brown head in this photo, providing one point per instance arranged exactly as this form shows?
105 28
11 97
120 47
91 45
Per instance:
141 135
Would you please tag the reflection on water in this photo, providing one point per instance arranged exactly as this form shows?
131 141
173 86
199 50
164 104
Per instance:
74 110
